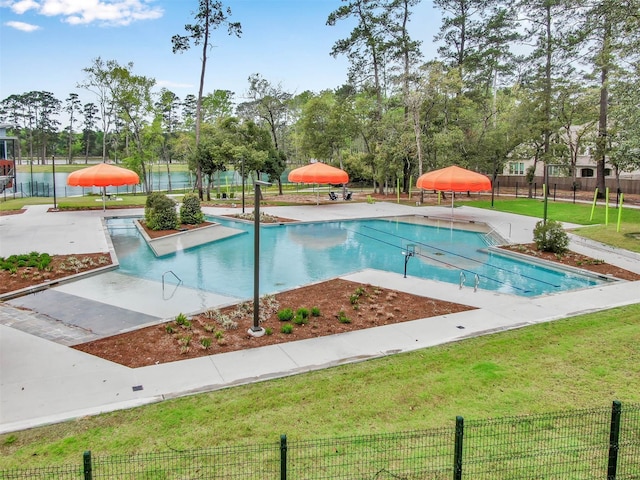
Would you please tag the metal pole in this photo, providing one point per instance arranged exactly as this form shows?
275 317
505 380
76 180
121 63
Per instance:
256 330
242 179
614 440
53 164
457 453
86 461
283 457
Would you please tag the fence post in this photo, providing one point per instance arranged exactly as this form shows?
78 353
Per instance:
457 454
88 471
283 457
614 438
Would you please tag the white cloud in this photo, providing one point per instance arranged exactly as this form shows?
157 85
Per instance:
84 12
21 6
24 27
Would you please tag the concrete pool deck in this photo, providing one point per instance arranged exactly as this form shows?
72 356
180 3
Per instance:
43 381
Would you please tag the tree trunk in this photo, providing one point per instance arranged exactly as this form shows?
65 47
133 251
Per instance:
601 143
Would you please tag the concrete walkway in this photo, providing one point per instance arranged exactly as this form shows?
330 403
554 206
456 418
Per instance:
43 381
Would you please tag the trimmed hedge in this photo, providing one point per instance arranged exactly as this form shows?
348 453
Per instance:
160 212
190 211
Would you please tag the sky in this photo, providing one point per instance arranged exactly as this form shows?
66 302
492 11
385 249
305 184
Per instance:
46 44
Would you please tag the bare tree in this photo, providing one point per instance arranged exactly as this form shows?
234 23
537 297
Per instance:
210 15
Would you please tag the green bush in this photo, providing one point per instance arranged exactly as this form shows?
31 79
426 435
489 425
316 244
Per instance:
550 237
161 215
183 321
285 314
302 312
287 328
34 259
300 319
150 204
190 211
315 312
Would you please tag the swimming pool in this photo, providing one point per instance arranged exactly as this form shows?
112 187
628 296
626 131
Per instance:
297 254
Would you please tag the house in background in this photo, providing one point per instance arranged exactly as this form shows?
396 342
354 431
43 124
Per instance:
580 147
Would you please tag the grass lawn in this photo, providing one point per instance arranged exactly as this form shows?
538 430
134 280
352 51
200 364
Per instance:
585 361
579 213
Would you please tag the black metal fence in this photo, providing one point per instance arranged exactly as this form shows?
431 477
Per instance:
599 443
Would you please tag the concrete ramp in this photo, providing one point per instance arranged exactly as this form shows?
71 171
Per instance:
187 239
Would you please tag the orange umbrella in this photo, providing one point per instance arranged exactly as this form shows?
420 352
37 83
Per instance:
318 172
103 175
454 179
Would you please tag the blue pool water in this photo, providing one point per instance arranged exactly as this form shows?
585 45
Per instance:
297 254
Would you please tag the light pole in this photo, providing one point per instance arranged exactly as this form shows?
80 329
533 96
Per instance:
256 330
242 180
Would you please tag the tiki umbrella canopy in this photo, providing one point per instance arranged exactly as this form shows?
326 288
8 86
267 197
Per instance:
454 179
103 175
318 172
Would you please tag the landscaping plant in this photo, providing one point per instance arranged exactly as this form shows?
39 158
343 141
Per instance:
550 237
190 210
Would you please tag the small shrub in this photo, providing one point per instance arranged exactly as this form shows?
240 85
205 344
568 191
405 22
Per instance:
183 321
342 317
268 331
303 312
150 204
190 210
162 215
285 315
209 327
550 237
169 328
227 322
43 261
185 341
354 299
205 342
300 319
287 328
218 334
315 312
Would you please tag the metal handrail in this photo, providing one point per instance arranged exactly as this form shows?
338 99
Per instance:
462 279
495 229
172 273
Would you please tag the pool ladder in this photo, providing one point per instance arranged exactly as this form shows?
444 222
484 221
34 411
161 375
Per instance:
463 278
176 287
